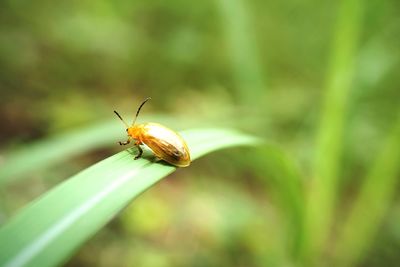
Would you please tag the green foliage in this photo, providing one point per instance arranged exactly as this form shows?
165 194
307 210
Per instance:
286 178
243 50
319 78
61 220
333 119
55 150
371 203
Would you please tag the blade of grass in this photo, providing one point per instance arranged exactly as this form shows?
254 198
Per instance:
329 138
371 203
243 49
286 182
50 229
56 149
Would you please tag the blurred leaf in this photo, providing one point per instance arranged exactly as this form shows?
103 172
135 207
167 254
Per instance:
371 203
286 180
244 53
56 149
50 229
330 135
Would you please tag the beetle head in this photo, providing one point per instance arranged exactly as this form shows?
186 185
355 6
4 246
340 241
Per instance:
133 131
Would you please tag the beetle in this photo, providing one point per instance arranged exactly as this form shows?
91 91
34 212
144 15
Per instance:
164 142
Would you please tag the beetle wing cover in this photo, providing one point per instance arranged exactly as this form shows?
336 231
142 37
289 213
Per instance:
166 144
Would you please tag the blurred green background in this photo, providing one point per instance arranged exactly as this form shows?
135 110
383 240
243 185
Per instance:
320 79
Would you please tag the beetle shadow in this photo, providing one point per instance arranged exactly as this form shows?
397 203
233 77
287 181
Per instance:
147 155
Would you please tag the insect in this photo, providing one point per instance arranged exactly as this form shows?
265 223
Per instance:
164 142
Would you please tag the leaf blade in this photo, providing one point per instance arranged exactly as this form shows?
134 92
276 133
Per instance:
98 193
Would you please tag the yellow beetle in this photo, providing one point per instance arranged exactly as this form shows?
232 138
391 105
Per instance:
165 143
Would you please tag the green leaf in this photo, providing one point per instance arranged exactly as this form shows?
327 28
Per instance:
56 149
286 186
370 205
50 229
243 51
329 139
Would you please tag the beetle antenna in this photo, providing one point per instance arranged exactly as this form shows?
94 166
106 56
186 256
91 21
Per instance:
119 116
137 112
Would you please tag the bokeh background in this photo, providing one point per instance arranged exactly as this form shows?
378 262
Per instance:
270 68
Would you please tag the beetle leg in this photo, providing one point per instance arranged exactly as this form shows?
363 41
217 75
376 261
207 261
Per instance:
140 152
124 143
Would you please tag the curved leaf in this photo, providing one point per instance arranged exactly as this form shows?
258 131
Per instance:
50 229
